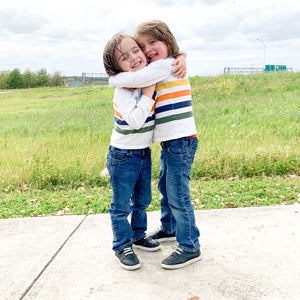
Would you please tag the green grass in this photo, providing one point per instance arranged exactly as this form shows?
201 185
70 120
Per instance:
53 137
205 194
54 141
248 125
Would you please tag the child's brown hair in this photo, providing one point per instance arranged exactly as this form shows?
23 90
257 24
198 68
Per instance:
161 32
110 61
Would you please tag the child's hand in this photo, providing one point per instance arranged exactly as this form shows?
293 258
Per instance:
130 89
180 67
149 90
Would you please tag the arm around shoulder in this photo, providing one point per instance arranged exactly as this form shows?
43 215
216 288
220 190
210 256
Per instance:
151 74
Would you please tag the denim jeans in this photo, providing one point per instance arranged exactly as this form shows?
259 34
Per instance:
130 178
177 212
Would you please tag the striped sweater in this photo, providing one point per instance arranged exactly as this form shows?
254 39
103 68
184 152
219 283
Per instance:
173 109
174 116
134 112
133 120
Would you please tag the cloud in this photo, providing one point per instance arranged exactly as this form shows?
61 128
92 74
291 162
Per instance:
70 35
164 3
170 3
273 25
211 2
20 22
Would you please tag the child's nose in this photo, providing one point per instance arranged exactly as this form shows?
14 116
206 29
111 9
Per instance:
146 49
131 57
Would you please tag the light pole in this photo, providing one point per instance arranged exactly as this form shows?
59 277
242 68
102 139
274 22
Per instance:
264 43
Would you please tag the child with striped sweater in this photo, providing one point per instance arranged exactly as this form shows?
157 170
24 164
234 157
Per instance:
129 155
176 131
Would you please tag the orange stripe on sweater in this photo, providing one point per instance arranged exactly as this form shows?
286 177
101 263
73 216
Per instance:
173 95
117 114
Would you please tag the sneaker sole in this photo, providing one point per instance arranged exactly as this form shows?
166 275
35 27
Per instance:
129 268
147 248
178 266
166 239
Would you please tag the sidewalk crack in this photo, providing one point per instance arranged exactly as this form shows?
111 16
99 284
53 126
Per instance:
51 260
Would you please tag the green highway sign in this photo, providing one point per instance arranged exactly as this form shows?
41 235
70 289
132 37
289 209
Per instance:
280 68
272 68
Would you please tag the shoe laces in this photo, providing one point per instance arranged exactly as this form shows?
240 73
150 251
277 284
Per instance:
155 231
127 251
179 251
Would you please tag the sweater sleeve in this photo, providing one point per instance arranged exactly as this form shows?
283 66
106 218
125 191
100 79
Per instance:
133 111
153 73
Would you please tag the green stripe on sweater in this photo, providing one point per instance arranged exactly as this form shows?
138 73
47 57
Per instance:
185 115
126 131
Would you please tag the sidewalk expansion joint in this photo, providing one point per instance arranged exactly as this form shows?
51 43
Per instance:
51 260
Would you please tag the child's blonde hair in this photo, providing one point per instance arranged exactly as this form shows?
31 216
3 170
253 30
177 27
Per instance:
161 32
110 61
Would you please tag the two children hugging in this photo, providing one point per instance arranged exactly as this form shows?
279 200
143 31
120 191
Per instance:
140 121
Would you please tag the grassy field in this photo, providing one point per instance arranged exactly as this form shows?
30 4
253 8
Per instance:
53 145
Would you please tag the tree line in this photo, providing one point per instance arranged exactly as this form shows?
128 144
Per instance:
16 80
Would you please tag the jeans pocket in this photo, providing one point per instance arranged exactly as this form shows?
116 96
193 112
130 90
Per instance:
175 150
119 156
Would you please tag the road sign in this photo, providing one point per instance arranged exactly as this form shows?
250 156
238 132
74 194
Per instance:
272 68
269 68
280 68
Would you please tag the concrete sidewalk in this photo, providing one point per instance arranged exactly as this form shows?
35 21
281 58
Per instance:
247 253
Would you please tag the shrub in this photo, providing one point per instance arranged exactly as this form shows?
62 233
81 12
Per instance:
15 80
43 79
30 79
56 80
3 79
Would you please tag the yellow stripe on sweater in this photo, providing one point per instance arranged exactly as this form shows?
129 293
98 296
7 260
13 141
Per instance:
171 84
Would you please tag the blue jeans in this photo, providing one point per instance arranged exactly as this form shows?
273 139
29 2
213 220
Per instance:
130 178
177 212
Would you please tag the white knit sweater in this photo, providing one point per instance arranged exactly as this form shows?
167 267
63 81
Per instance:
173 101
133 111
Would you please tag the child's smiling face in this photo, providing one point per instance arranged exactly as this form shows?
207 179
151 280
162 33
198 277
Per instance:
129 56
152 48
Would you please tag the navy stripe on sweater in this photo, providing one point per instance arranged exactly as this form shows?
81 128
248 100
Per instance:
123 122
173 106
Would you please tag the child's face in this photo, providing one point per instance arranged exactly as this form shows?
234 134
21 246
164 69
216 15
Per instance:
152 48
130 56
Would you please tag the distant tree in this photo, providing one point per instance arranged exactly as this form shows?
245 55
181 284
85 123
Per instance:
30 79
43 79
3 79
15 80
56 79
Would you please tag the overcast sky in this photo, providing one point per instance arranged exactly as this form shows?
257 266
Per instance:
69 36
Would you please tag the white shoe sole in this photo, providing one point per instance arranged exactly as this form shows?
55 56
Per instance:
166 239
129 268
178 266
146 248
